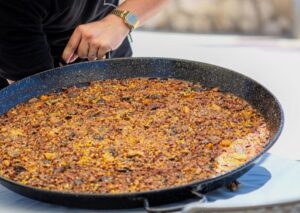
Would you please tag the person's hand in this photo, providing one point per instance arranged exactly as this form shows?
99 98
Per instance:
94 39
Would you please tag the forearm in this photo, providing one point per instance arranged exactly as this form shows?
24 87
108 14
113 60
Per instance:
144 9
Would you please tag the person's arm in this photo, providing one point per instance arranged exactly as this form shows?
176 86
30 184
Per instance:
94 39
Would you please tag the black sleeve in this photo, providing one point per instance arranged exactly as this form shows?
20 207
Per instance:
23 45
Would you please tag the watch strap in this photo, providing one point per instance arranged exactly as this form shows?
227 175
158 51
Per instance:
120 13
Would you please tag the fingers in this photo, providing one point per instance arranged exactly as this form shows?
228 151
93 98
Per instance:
103 49
73 58
93 52
70 50
97 50
83 49
87 41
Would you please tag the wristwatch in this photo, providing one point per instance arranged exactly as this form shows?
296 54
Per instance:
128 17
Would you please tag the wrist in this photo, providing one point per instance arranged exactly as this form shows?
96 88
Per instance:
118 23
129 18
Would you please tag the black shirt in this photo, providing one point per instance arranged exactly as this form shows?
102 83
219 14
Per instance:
34 33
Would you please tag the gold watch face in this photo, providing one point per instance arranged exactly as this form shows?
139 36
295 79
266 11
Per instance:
132 20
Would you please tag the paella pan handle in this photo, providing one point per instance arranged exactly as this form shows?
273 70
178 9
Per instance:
202 199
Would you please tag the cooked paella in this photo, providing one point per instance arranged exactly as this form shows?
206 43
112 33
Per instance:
128 135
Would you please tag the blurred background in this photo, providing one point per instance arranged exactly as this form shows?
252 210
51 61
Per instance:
247 17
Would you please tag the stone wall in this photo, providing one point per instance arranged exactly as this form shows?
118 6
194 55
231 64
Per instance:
254 17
